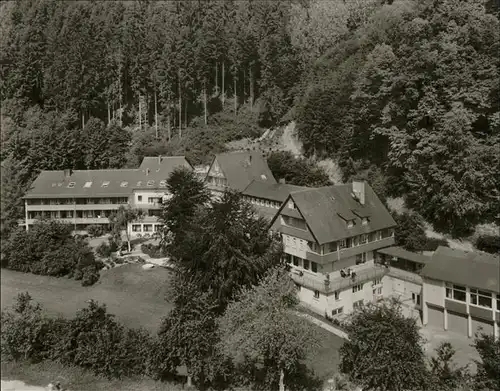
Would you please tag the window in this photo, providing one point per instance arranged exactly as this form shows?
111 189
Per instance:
357 304
151 183
357 288
360 258
139 184
379 291
105 184
350 224
337 311
480 298
71 185
455 292
314 267
124 184
342 244
136 228
139 198
297 286
163 183
364 221
87 184
415 298
263 177
148 228
306 264
337 295
152 200
377 281
316 294
363 239
295 261
498 302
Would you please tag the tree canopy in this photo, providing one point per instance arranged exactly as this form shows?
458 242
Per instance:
261 328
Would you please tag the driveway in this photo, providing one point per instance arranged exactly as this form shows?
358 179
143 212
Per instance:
465 353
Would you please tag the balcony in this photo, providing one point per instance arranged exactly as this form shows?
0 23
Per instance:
320 283
348 252
405 275
78 220
49 208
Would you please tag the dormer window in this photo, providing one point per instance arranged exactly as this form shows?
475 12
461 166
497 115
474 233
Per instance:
291 204
151 183
350 224
163 183
124 184
263 177
364 221
105 184
71 185
139 184
87 184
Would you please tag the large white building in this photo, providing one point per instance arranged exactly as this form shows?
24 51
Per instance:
88 197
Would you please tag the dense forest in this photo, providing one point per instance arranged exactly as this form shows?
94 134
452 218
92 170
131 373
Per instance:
402 92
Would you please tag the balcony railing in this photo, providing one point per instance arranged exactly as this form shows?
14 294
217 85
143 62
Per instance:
348 252
320 282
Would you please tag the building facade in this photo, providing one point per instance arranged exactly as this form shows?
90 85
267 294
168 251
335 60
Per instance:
461 292
88 197
329 237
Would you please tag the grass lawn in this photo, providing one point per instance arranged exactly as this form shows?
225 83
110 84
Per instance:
76 379
136 296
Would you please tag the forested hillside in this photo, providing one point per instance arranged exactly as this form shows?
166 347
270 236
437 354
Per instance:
402 92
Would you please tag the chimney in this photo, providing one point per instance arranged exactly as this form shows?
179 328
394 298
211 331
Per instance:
68 172
282 181
147 171
159 159
358 188
249 161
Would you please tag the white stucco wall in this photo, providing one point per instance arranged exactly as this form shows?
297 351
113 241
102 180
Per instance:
434 292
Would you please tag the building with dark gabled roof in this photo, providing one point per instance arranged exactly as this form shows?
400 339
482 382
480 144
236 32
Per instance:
461 291
87 197
267 197
236 170
329 236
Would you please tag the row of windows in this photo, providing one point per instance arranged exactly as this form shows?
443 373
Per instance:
477 297
70 214
146 227
294 222
262 202
217 181
104 184
303 263
79 201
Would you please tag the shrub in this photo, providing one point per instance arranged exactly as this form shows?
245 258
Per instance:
25 333
103 250
49 249
488 243
152 250
94 340
95 230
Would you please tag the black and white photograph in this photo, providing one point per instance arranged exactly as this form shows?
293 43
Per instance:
250 195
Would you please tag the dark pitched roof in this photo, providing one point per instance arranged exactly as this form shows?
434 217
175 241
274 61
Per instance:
400 252
322 208
165 164
97 183
270 191
475 269
241 168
